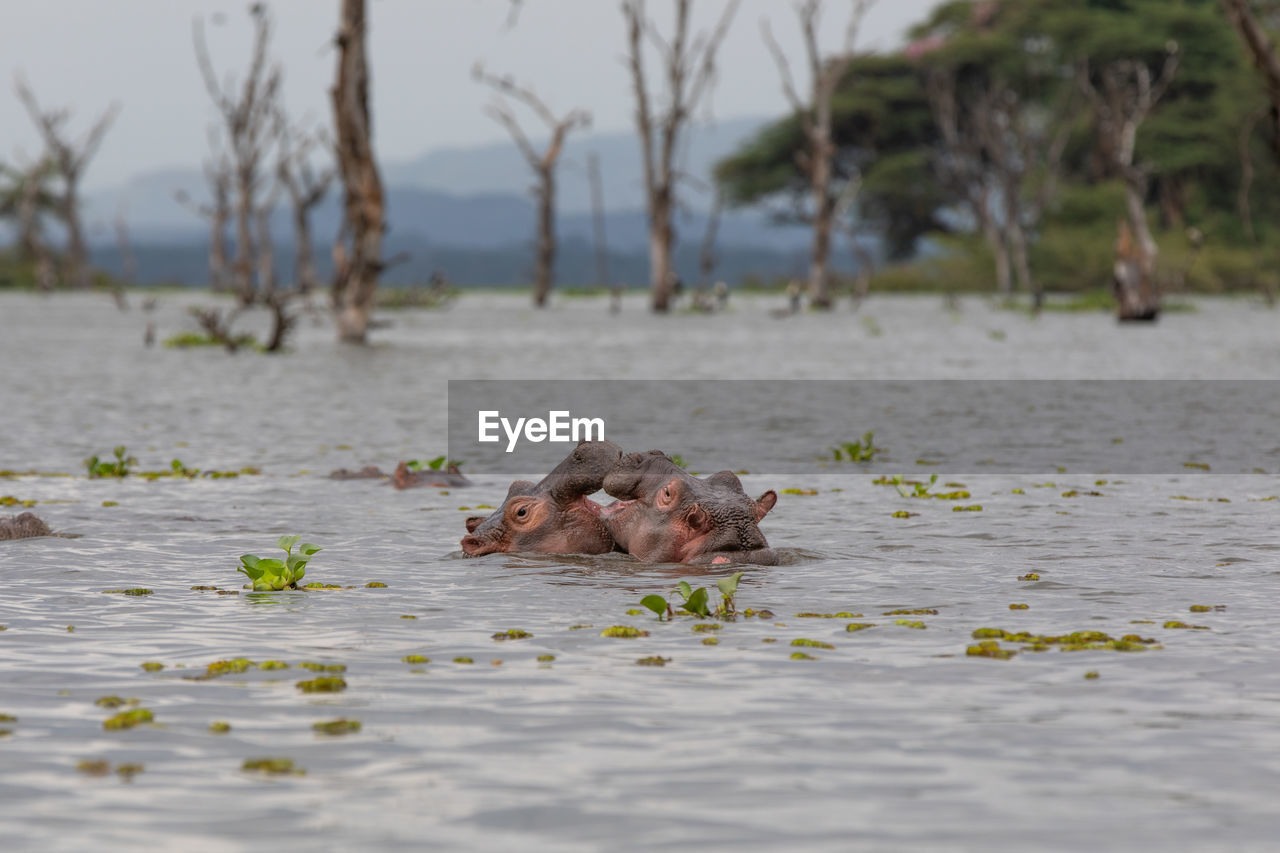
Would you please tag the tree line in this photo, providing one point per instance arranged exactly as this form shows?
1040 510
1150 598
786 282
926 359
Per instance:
1024 133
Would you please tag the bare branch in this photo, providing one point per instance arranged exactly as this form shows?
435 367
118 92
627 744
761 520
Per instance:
784 67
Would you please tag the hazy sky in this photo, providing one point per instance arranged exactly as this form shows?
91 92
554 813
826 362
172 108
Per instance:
83 54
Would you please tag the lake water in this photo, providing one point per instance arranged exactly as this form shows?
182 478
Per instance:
893 739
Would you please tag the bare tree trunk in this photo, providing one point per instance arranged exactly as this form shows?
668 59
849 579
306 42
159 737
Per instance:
597 221
688 66
245 249
356 273
266 254
1261 49
546 238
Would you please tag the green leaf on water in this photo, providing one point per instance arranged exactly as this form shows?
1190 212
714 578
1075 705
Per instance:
697 602
685 589
729 586
656 603
308 548
287 542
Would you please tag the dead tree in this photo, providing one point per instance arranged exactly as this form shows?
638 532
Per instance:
688 65
357 253
543 164
217 212
69 159
817 159
247 113
306 188
26 201
1123 93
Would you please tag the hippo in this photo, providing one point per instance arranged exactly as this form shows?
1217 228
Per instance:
553 516
23 526
666 515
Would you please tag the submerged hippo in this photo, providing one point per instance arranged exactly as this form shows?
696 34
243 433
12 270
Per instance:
666 515
23 526
553 516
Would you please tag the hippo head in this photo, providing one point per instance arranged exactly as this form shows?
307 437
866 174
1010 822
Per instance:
553 516
666 515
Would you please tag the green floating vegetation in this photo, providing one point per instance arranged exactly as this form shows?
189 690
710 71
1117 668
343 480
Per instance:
225 667
1076 641
312 666
1091 675
990 649
759 614
135 591
547 658
512 634
119 468
634 611
269 574
113 701
970 508
902 513
219 727
841 615
318 585
623 632
128 771
407 616
341 726
703 627
653 660
415 659
128 719
10 500
1177 624
794 491
375 585
813 644
910 623
273 664
580 626
918 611
324 684
710 641
1029 576
205 588
273 766
858 626
1019 606
463 660
91 767
857 451
152 666
1203 466
802 656
1206 608
1018 492
8 718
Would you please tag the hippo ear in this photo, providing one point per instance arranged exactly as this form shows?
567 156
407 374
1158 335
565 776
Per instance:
521 487
473 522
764 503
727 479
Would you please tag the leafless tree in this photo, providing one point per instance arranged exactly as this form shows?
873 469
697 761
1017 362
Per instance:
1123 93
306 188
247 111
599 237
217 172
688 65
357 253
543 163
70 160
26 201
819 154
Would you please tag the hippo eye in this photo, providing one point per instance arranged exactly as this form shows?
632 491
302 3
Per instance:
522 512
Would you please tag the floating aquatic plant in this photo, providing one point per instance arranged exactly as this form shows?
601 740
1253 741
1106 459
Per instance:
341 726
415 659
990 649
857 451
219 727
270 573
919 611
840 615
909 623
136 591
546 658
513 634
858 626
802 656
626 632
653 660
274 766
99 468
128 719
815 644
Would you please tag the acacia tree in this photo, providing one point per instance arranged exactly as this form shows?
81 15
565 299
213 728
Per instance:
688 65
357 253
543 164
247 111
817 159
69 159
